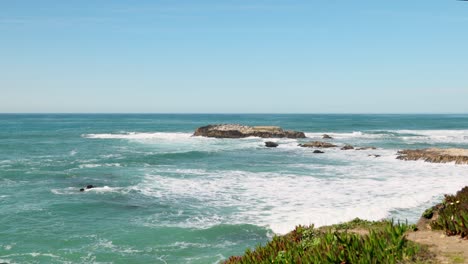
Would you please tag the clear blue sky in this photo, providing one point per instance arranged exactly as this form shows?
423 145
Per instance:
277 56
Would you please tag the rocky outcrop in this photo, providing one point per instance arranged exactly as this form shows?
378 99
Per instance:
429 216
270 144
347 147
239 131
325 136
317 144
435 155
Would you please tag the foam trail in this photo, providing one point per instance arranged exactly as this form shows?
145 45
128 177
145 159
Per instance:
136 135
87 166
76 190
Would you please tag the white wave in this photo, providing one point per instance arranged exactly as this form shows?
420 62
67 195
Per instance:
170 143
409 136
68 190
110 156
136 135
194 221
105 189
76 190
8 247
73 152
108 244
435 136
322 194
33 254
184 245
88 166
346 135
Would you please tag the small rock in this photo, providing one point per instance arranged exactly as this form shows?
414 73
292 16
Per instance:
374 155
346 147
89 186
318 151
317 144
82 190
325 136
366 148
270 144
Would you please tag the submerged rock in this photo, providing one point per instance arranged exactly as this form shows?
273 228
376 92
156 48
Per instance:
270 144
346 147
89 186
317 144
318 151
366 148
239 131
435 155
325 136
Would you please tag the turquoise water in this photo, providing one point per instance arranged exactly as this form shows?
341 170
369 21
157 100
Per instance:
163 196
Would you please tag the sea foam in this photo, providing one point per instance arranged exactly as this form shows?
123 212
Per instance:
436 136
328 194
136 135
410 136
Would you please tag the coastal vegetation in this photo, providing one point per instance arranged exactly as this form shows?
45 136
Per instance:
361 241
452 214
357 241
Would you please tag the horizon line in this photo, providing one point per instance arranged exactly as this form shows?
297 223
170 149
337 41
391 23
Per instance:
232 113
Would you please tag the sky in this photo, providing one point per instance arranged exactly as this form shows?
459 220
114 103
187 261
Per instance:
234 56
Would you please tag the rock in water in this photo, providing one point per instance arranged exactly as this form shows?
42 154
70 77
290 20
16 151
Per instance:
318 151
346 147
366 148
325 136
239 131
270 144
435 155
317 144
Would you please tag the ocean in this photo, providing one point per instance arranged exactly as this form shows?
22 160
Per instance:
163 196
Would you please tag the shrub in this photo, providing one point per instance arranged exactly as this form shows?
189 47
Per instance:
309 245
453 214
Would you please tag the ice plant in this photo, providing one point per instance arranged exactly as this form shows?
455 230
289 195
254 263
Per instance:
453 214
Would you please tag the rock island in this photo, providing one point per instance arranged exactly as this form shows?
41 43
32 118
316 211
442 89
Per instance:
240 131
